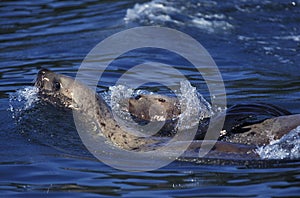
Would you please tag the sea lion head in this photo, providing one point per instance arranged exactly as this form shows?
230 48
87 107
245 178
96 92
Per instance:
154 107
55 88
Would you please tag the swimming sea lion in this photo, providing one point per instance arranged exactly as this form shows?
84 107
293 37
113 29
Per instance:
157 107
253 124
59 89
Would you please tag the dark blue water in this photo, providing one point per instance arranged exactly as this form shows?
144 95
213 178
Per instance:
255 44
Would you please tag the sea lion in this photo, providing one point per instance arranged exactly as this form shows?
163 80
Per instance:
252 124
59 89
162 108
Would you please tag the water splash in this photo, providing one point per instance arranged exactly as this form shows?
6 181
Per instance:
21 100
117 98
195 107
287 147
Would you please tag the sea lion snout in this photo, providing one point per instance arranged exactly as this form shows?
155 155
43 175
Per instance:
47 81
42 78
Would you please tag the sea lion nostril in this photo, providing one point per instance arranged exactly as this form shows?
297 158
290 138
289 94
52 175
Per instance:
42 72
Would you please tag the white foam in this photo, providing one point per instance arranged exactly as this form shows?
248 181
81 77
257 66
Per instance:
287 147
210 24
157 12
295 38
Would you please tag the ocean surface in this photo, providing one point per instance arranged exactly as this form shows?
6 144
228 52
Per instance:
255 44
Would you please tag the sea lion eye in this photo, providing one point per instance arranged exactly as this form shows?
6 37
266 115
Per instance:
56 85
137 97
161 100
